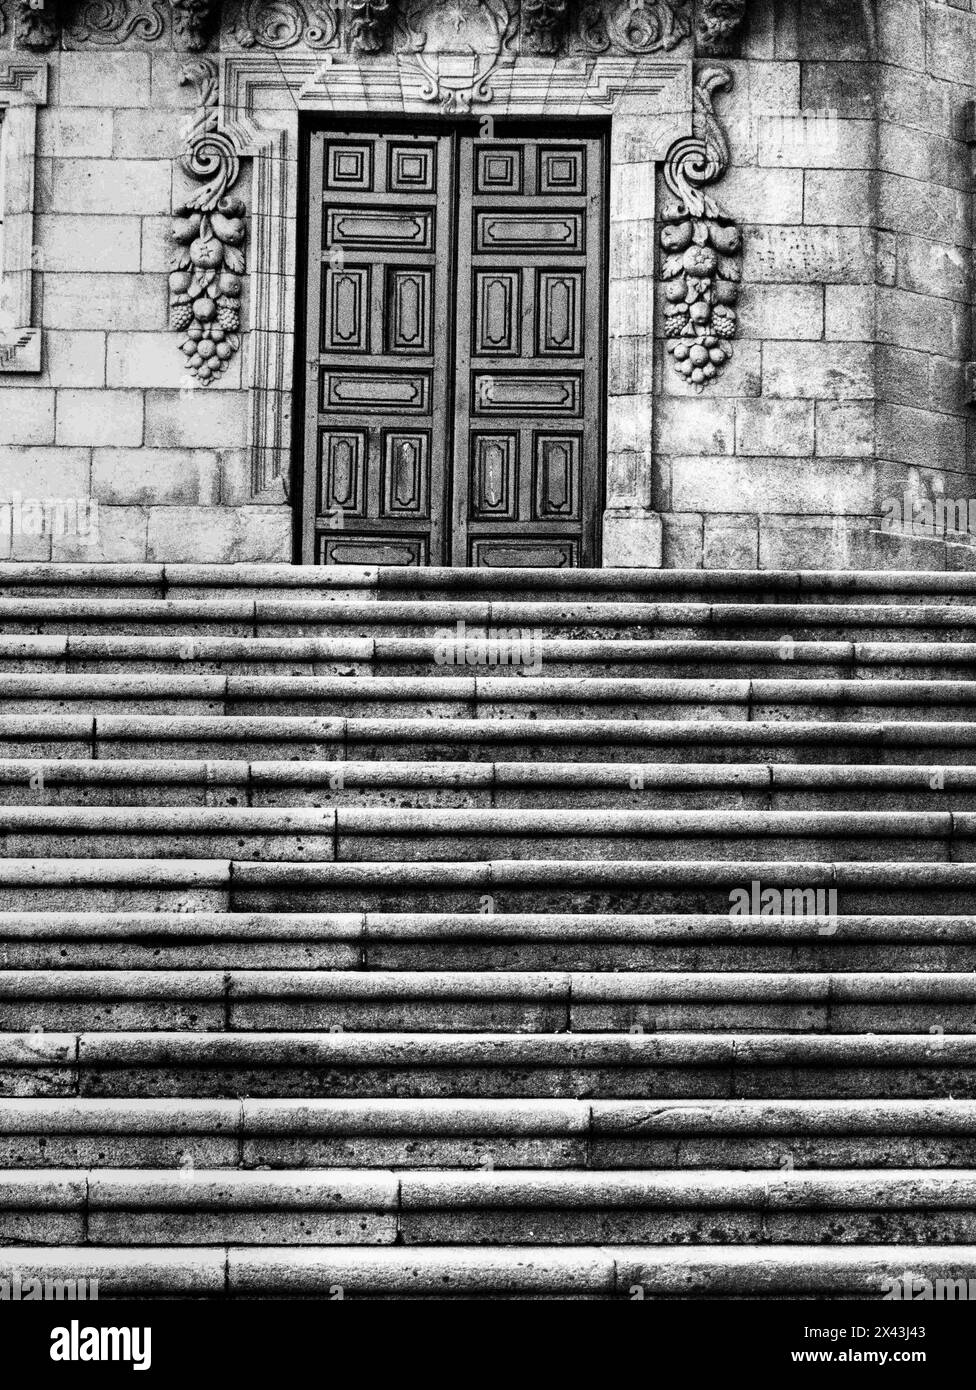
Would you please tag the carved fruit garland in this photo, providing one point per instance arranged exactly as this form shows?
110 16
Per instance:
209 230
702 245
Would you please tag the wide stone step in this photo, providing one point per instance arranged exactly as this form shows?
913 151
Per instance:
494 1002
782 1135
497 886
356 1207
791 937
935 745
228 783
485 650
622 1272
488 697
367 834
383 583
687 1066
460 620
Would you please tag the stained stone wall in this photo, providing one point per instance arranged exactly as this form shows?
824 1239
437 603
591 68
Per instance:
848 390
850 174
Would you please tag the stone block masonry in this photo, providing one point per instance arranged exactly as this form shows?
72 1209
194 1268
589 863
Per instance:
854 182
849 174
112 417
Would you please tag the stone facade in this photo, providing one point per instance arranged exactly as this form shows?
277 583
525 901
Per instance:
842 413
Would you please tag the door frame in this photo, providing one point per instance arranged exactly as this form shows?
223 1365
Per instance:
304 469
648 100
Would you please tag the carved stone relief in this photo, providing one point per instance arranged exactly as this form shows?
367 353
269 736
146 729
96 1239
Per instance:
718 26
104 23
283 23
701 245
209 230
623 26
485 33
373 27
544 23
36 25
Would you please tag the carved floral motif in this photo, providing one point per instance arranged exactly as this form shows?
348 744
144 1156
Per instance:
105 22
635 26
701 244
209 230
282 23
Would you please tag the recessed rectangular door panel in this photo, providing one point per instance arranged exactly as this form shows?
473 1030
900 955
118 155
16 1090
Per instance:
378 347
529 407
454 345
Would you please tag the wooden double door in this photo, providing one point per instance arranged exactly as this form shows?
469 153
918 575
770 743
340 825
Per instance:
454 342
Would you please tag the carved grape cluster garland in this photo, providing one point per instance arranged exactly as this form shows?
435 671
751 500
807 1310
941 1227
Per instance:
209 230
702 245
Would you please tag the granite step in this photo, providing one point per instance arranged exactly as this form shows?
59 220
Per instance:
456 623
492 1135
888 888
363 835
487 651
488 698
936 745
523 1273
384 583
392 784
534 1002
790 938
623 1065
388 1207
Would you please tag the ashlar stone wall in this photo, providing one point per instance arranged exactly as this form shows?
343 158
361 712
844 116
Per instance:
848 392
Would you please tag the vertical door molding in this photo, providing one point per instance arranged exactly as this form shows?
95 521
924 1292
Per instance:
23 88
649 103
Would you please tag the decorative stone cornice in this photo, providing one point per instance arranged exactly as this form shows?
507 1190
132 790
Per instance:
548 28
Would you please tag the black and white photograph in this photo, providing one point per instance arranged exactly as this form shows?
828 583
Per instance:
487 682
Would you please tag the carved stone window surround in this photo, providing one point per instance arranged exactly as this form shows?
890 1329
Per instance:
23 88
648 101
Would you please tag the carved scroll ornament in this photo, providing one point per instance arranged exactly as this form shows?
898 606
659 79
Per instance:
701 245
209 230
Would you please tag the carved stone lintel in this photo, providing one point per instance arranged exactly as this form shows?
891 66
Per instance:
544 24
370 24
209 231
717 27
36 25
193 22
701 245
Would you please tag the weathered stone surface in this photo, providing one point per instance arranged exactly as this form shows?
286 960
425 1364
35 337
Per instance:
100 417
831 371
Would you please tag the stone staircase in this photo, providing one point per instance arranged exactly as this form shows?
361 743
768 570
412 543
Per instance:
368 933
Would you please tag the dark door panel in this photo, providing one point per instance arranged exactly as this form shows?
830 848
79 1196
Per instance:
454 397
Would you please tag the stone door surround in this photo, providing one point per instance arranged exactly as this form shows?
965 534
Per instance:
648 100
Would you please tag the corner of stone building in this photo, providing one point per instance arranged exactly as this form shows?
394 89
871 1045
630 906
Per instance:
848 389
